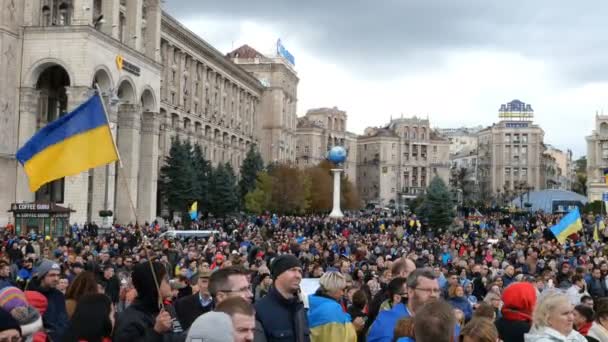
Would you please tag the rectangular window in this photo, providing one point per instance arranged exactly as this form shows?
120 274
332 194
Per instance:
507 172
384 169
515 172
524 172
508 138
524 138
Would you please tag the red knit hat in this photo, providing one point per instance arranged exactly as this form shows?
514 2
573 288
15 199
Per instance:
518 300
37 300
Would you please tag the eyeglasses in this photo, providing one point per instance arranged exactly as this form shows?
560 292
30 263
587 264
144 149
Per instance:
243 289
429 291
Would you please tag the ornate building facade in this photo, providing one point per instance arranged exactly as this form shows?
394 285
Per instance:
397 162
510 152
158 79
597 159
320 130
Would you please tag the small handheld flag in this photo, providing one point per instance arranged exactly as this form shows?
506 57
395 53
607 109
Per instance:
74 143
567 226
193 211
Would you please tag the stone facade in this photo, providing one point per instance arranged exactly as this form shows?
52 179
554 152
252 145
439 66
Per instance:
559 169
462 140
510 153
277 126
597 159
171 84
397 162
320 130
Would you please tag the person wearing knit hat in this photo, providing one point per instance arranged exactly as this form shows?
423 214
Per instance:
519 300
282 309
211 327
45 267
284 263
13 301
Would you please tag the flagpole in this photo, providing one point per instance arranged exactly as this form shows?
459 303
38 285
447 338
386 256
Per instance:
131 204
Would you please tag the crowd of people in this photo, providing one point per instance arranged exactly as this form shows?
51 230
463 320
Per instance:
491 277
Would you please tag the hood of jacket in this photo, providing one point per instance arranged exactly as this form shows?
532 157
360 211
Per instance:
546 334
598 332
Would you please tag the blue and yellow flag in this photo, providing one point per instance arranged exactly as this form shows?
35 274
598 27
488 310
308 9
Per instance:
193 211
567 226
74 143
599 226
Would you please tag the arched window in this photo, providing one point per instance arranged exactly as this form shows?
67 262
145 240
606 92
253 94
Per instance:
46 16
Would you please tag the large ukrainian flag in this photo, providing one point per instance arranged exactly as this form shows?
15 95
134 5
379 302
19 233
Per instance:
74 143
567 226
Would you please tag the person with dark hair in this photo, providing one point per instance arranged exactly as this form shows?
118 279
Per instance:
596 285
229 282
587 300
93 320
110 283
280 315
190 307
397 292
422 286
357 309
583 319
146 319
83 284
9 327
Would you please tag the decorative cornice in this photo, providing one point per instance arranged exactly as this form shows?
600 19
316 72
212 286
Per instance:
172 28
97 34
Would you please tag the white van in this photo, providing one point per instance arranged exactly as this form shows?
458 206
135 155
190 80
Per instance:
184 234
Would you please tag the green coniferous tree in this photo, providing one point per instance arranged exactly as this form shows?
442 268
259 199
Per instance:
438 205
202 175
223 192
176 177
252 165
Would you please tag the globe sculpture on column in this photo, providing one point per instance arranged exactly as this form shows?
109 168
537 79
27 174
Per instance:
337 155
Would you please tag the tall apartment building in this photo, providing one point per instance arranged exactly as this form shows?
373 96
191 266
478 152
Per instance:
510 151
159 81
277 127
558 169
320 130
398 161
597 159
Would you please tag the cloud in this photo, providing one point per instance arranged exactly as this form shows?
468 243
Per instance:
453 61
379 37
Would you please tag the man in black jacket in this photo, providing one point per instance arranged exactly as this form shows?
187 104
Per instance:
280 315
190 307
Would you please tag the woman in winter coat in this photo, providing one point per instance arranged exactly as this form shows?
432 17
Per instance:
458 301
92 321
553 321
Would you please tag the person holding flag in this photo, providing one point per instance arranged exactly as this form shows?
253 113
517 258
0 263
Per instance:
193 211
567 226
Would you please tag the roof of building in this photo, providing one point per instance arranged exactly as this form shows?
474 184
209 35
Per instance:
245 51
544 199
305 122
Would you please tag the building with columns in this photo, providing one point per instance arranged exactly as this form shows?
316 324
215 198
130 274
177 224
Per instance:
397 162
597 159
158 79
277 127
320 130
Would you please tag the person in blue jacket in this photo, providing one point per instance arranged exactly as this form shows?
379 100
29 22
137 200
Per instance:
459 301
422 286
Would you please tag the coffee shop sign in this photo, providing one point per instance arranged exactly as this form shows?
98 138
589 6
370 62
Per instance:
31 206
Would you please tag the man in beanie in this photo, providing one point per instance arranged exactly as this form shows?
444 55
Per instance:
45 281
280 315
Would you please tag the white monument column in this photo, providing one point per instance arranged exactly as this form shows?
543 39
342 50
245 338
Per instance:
336 212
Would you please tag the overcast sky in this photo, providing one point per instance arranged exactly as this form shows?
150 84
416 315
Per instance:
453 61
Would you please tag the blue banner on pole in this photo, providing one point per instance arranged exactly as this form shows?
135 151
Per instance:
605 196
282 51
